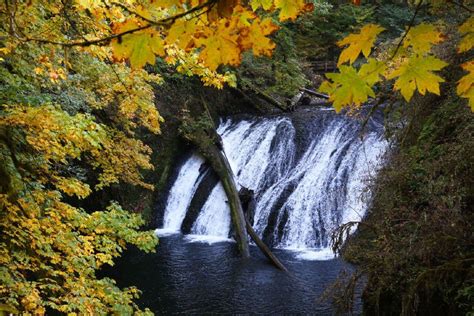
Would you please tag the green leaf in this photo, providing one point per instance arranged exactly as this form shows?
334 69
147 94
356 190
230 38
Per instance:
467 30
351 87
465 87
422 37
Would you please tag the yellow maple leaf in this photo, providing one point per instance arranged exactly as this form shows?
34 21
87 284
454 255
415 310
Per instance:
89 4
372 71
245 15
467 30
220 45
359 42
139 47
422 37
416 73
350 87
265 4
255 37
290 9
166 4
72 186
465 88
181 33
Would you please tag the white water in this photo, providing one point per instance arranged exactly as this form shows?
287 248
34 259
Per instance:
181 194
247 148
300 200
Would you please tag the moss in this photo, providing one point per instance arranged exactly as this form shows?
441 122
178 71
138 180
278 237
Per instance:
280 76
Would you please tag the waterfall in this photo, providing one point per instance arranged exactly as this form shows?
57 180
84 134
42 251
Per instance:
308 171
181 194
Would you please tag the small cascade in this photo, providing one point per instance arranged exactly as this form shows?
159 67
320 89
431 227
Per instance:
248 147
309 173
181 194
214 219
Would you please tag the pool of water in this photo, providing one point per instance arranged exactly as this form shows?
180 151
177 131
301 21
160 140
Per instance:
185 277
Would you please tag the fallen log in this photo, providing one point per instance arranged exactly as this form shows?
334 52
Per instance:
315 93
207 142
222 167
247 199
266 97
266 251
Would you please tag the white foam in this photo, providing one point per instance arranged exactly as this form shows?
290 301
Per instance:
314 254
326 187
163 232
214 218
182 193
207 239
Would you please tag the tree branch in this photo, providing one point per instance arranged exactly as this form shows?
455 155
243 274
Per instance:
410 25
102 41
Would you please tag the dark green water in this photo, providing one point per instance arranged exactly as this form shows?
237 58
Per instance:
197 278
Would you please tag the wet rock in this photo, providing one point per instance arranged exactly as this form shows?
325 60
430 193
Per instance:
247 198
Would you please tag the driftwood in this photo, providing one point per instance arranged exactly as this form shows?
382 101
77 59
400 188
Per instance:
291 104
218 161
315 93
295 100
224 171
247 199
266 251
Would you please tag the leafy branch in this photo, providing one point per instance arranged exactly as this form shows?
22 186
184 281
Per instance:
105 40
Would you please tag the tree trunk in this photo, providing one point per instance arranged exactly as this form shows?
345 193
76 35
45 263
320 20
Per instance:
218 161
266 251
222 167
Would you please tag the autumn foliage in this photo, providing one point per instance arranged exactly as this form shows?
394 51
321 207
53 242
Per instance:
409 62
75 92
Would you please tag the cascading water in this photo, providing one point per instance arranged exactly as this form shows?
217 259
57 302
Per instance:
308 172
181 194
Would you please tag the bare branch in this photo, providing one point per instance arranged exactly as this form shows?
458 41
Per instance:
412 22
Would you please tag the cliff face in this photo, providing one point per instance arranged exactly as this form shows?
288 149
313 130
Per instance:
416 243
